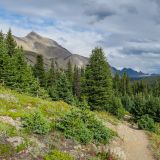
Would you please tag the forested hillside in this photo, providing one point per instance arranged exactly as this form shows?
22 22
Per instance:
62 105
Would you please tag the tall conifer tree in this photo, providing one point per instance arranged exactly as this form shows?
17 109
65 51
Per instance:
98 81
77 82
11 43
39 71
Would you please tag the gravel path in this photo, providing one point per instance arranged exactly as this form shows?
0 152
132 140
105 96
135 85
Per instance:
132 144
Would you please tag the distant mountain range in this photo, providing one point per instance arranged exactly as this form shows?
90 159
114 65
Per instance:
34 44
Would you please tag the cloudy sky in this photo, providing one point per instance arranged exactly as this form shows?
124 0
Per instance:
127 30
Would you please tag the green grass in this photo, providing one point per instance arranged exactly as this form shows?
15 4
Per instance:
16 105
105 116
155 141
25 104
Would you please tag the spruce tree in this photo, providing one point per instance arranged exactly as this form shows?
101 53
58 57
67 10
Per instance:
98 81
125 85
77 82
11 43
61 90
116 84
69 72
39 71
3 58
51 74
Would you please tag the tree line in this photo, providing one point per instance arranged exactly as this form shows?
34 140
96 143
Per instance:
93 87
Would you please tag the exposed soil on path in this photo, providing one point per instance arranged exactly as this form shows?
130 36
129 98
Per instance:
133 144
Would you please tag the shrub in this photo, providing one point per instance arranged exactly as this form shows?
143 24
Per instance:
121 113
139 107
57 155
127 102
6 150
146 123
36 123
106 156
84 127
117 108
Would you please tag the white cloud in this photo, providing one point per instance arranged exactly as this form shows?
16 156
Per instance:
121 27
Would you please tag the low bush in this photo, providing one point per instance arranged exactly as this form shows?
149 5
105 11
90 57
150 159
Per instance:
117 108
57 155
146 123
36 123
106 156
6 150
84 127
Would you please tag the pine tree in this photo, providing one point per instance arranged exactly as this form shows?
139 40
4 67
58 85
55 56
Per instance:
61 90
77 82
98 81
116 84
39 71
51 74
11 43
3 57
125 85
69 72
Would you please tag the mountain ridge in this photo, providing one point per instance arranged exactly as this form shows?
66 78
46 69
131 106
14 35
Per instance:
34 44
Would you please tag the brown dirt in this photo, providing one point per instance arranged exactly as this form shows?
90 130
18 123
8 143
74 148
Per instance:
133 144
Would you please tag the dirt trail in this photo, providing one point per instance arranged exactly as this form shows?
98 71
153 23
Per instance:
133 144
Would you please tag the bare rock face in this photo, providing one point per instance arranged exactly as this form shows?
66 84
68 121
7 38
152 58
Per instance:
34 44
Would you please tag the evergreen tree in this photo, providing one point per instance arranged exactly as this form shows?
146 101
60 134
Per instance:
98 81
156 88
77 82
11 43
69 72
61 90
3 57
125 85
51 74
39 71
116 84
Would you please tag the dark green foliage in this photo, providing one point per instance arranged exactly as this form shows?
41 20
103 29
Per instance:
117 108
82 104
39 71
36 123
77 82
3 57
14 70
139 106
127 102
58 155
125 85
84 127
69 72
98 81
62 90
146 123
156 88
52 75
116 84
153 108
146 105
10 43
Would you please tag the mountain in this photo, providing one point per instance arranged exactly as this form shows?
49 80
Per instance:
34 44
131 73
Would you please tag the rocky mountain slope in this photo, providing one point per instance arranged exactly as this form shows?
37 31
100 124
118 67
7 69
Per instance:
34 44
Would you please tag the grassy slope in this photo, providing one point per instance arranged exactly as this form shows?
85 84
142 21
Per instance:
16 106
